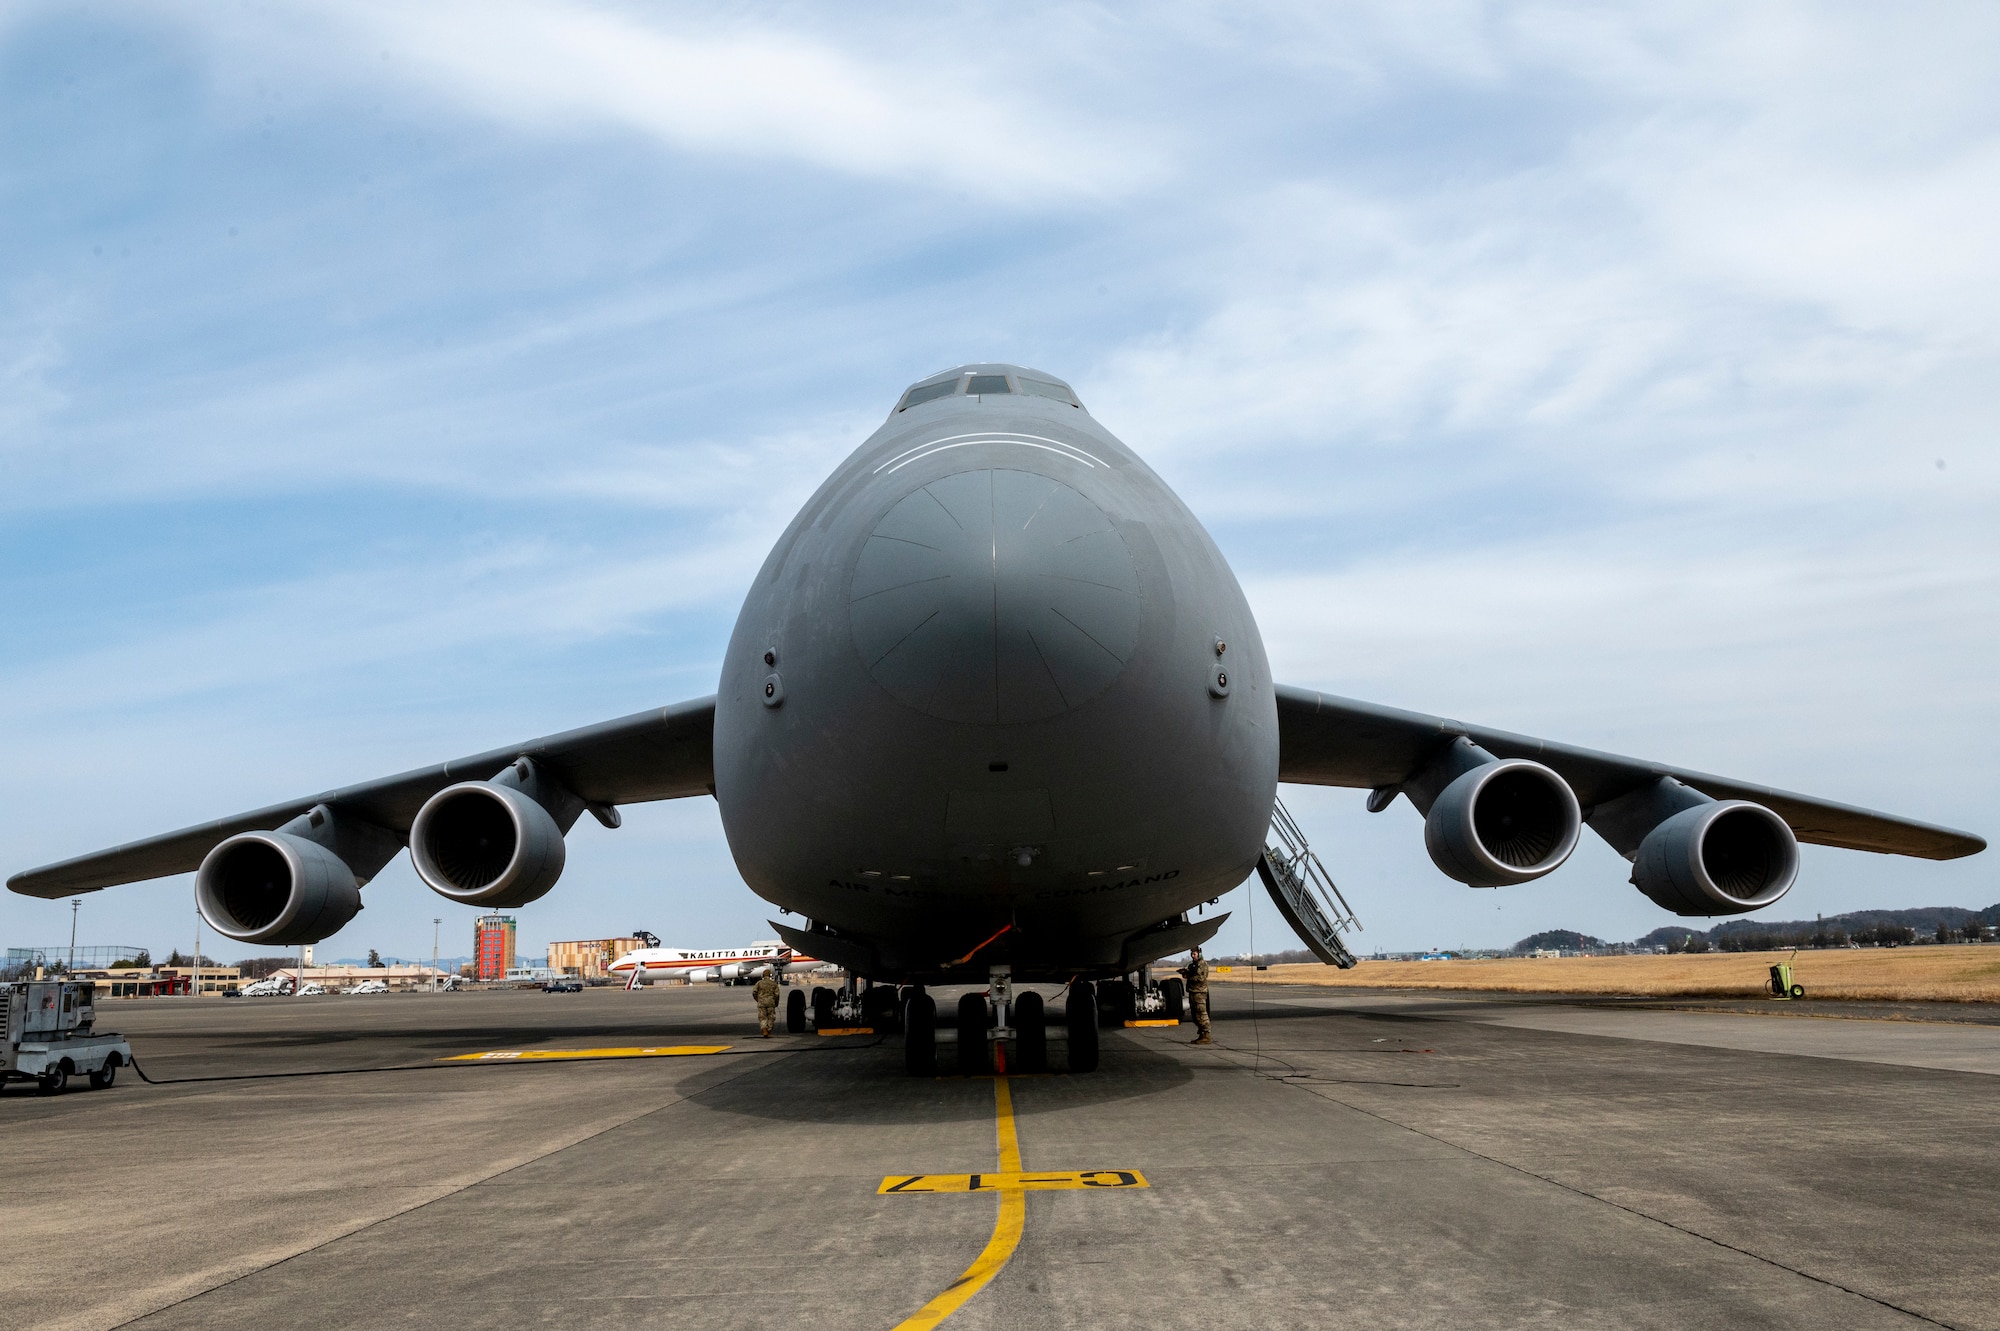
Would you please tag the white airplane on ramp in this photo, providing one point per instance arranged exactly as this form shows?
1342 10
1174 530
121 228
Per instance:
698 965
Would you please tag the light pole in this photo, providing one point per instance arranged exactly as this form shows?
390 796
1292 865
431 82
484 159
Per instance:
197 952
436 922
74 903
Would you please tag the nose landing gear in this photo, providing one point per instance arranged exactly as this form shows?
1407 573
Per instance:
999 1029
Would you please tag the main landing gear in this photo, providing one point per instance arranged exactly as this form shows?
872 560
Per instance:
1139 997
795 1012
919 1033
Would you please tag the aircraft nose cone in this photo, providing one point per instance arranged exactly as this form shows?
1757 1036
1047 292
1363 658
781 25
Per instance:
995 597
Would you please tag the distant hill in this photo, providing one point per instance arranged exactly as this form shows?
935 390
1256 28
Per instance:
1859 926
1557 940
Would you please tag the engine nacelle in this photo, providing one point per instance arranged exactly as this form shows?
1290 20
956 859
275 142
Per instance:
275 888
1721 857
701 976
486 844
1502 822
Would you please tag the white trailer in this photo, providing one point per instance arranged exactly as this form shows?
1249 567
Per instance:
48 1036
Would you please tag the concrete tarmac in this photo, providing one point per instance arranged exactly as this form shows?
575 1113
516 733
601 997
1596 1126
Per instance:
1391 1161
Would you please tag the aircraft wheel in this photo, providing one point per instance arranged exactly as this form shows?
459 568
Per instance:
822 1004
1174 993
1115 1002
1080 1016
795 1011
889 1011
920 1036
972 1041
1031 1033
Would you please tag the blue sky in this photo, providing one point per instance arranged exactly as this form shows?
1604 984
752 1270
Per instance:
383 382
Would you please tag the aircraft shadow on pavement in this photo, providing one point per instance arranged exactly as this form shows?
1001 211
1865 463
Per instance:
867 1085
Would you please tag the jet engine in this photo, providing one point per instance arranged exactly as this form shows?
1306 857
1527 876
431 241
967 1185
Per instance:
701 976
1500 822
493 843
1721 857
298 884
276 888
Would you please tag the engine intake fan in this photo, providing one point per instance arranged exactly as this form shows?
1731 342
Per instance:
496 843
1492 822
1728 857
299 884
1696 855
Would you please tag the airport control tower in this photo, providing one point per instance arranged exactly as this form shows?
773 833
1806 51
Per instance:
493 946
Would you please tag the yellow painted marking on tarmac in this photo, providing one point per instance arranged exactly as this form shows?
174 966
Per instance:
543 1055
1048 1180
1006 1230
848 1030
1151 1022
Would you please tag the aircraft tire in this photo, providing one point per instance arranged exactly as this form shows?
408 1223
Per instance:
795 1012
1080 1016
920 1036
822 1005
1174 992
1031 1033
973 1023
1115 1003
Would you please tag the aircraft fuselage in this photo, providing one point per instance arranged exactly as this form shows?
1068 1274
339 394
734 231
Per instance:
995 673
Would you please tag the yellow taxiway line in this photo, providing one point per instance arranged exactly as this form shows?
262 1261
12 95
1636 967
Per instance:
1046 1180
1006 1230
1013 1184
540 1055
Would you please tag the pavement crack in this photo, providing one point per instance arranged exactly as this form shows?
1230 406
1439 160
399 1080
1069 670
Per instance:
1312 1088
452 1191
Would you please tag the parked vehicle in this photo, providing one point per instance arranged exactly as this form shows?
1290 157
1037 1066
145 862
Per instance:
309 990
563 987
46 1036
367 987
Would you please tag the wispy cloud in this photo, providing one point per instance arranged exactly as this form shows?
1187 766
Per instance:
905 107
432 371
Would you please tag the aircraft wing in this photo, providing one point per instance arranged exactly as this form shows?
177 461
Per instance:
660 754
1324 740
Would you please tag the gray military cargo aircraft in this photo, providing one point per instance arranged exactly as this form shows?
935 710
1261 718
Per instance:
996 711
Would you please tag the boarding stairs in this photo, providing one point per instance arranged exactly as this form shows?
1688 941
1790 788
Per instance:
1304 892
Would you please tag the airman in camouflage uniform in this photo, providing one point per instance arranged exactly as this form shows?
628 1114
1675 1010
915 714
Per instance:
766 994
1196 974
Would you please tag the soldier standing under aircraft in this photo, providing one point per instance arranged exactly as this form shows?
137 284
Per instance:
766 994
1196 974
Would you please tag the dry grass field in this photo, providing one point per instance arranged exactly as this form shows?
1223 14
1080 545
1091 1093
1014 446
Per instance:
1962 974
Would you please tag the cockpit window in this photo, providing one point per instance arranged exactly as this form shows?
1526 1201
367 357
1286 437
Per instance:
988 383
1042 388
928 393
